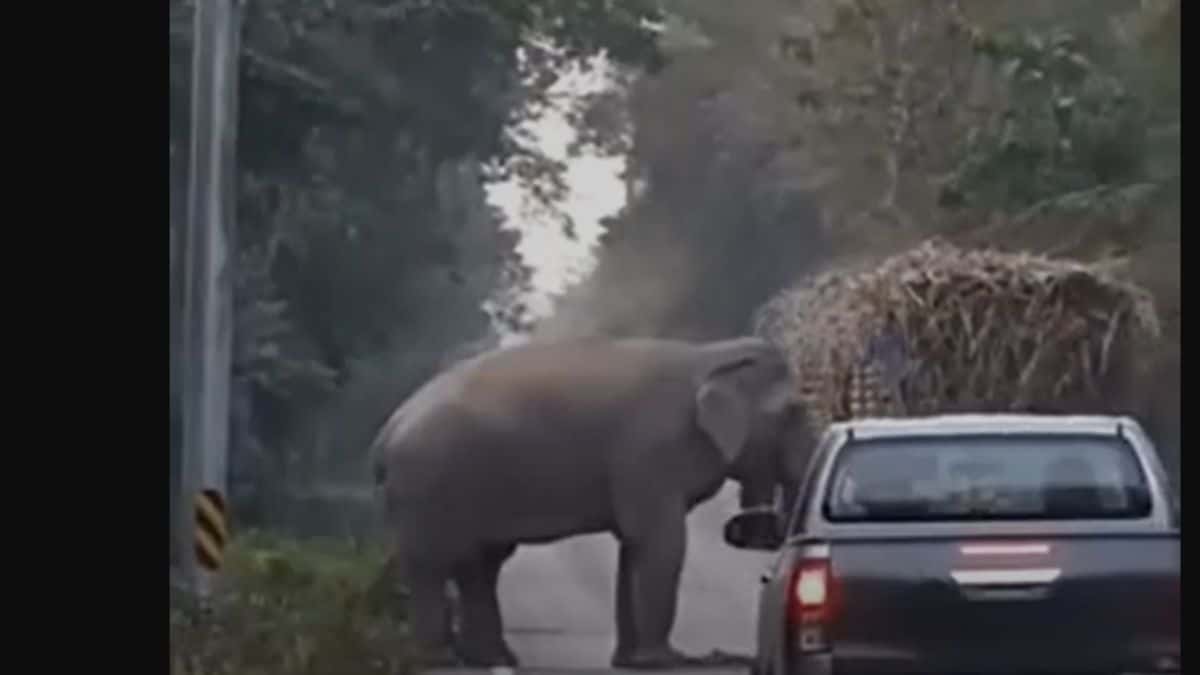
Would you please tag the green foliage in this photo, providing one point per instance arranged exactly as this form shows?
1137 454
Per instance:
1084 158
292 608
1074 135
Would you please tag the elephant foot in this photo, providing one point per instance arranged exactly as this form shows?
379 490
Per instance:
659 658
436 657
495 656
720 659
665 658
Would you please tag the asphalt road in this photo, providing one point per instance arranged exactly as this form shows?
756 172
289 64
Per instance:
558 599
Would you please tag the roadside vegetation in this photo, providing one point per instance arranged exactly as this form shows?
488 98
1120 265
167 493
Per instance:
288 607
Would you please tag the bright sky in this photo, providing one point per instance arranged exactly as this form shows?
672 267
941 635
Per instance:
596 190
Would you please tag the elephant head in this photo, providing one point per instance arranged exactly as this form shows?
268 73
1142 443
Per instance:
746 406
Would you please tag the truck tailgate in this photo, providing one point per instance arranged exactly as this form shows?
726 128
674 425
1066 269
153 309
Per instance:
1103 603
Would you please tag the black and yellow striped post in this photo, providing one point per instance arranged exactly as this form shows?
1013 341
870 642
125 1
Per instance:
211 530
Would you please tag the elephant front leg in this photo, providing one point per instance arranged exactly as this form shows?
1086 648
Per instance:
656 551
626 630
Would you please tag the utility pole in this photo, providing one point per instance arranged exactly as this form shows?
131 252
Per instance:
202 530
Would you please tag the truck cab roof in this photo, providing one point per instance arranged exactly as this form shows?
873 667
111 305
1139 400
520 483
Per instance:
970 424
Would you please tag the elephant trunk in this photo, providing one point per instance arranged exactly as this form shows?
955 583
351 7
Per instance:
788 496
756 494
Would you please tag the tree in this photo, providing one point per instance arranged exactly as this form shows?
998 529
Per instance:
710 229
363 234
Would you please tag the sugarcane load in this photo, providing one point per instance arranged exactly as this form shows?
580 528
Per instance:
946 329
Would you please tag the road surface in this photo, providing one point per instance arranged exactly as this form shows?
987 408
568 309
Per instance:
558 599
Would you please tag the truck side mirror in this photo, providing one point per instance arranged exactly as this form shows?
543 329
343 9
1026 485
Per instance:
756 530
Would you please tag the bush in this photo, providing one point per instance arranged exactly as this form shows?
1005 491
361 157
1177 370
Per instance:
288 607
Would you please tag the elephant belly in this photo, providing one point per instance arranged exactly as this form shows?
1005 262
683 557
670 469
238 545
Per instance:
531 495
545 528
539 508
469 483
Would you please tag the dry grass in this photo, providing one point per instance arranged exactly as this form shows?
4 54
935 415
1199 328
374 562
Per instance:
942 328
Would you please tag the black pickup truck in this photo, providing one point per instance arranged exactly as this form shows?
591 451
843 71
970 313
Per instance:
973 544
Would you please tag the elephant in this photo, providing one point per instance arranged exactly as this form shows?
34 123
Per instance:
546 440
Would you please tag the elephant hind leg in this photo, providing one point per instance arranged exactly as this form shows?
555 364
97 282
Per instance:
481 640
429 610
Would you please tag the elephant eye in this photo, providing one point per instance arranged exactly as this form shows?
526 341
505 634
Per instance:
783 408
793 412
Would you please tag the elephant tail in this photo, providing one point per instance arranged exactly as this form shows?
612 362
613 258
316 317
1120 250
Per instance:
376 456
379 473
379 476
378 468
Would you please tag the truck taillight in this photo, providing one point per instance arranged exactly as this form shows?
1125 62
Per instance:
812 585
810 602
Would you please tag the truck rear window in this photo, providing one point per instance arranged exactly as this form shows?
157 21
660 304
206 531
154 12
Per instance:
987 478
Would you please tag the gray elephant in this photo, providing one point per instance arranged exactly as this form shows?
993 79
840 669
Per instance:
543 441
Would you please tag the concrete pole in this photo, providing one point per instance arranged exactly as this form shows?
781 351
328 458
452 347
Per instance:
202 530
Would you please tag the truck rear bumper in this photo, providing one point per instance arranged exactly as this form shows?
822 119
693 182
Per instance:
1143 658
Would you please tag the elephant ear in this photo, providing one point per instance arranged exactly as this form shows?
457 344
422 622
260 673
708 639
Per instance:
723 412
